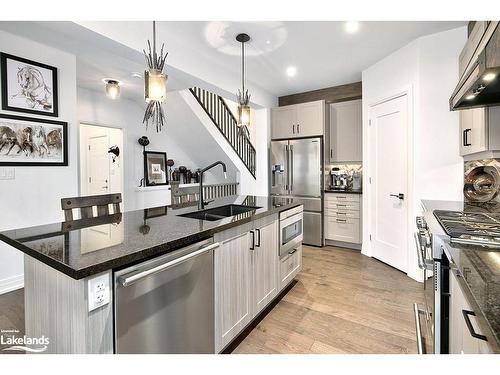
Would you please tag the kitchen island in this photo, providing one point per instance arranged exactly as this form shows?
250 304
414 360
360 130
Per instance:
70 267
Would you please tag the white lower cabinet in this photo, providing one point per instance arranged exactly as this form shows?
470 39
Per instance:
290 266
248 275
461 340
343 217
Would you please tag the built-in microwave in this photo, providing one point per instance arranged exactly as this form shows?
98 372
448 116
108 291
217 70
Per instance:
291 230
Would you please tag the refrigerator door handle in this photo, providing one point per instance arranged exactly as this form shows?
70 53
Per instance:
291 168
287 173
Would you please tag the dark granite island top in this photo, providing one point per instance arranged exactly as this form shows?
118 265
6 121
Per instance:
478 265
87 247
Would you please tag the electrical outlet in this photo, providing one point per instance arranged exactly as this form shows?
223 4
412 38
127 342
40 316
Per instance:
98 291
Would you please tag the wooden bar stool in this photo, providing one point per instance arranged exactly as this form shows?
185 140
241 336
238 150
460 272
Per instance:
87 204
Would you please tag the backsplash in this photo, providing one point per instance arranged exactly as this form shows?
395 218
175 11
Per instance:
482 180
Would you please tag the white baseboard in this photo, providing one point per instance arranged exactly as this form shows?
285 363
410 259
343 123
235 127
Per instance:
11 283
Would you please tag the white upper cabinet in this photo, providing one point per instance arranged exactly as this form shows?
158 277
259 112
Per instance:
345 131
479 131
298 120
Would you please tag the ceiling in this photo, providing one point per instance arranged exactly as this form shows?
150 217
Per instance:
323 53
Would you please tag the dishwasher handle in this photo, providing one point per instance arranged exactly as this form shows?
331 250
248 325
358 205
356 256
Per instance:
128 280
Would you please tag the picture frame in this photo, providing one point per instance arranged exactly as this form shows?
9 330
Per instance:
155 168
26 141
28 86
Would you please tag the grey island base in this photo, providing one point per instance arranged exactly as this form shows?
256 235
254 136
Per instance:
73 270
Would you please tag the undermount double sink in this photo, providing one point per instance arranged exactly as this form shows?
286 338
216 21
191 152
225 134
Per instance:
218 213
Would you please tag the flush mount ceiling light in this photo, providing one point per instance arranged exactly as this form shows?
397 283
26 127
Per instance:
112 88
243 96
489 77
291 71
351 26
155 85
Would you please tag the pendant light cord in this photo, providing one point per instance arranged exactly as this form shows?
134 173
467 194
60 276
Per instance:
243 68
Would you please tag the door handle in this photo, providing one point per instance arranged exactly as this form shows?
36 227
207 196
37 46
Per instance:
292 251
331 153
298 128
473 333
293 128
258 237
291 168
466 141
252 247
400 196
418 329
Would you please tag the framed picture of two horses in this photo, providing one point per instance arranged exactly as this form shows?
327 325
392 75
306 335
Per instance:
28 86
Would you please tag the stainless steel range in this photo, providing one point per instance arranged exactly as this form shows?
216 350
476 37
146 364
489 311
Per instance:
473 228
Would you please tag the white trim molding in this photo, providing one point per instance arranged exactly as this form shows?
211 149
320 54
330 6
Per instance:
11 283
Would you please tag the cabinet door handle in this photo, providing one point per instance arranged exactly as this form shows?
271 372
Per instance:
292 251
258 237
293 128
252 247
466 141
345 221
331 153
298 128
466 314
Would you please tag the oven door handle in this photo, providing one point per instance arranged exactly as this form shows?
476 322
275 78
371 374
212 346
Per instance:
423 264
418 329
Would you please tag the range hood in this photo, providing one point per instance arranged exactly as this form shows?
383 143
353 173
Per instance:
479 86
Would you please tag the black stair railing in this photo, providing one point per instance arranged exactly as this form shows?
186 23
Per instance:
216 108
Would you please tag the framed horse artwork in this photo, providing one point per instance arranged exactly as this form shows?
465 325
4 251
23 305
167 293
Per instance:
28 86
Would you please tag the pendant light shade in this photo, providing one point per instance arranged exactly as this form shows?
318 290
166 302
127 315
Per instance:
243 96
155 84
112 88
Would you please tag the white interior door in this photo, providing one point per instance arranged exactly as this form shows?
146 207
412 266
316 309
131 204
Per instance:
98 164
388 144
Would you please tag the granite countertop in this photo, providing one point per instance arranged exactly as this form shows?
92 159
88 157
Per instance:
479 266
344 191
86 247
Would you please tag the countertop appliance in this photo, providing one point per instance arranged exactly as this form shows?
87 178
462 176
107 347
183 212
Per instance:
339 179
356 181
431 320
166 305
479 85
291 231
297 171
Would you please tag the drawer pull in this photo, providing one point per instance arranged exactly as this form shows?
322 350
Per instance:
341 205
341 220
341 213
466 314
292 251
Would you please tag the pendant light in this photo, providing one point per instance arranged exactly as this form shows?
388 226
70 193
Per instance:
155 85
243 96
112 88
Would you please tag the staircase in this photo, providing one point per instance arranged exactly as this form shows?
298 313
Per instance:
224 120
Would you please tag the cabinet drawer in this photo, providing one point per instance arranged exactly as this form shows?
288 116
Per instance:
342 214
346 230
342 197
342 205
290 266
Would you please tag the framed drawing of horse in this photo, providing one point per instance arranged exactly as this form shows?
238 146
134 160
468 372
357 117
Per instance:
28 86
32 141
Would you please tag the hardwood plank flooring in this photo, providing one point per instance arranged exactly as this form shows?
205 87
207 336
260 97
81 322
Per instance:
342 302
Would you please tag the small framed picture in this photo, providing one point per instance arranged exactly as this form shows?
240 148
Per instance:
155 168
28 86
28 141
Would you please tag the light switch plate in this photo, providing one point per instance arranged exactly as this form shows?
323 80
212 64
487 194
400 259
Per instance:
7 174
98 291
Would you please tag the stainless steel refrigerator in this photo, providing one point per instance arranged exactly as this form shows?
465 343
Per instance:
297 171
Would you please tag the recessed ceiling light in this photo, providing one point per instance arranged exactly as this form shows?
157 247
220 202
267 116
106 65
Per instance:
489 77
470 97
291 71
268 42
351 26
136 75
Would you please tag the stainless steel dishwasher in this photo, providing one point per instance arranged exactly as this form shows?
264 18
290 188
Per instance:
166 305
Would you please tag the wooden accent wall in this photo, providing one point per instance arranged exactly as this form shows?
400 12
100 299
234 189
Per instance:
334 94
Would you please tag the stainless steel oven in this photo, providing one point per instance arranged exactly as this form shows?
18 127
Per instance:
291 230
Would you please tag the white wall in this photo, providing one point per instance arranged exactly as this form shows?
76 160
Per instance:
33 197
427 69
183 139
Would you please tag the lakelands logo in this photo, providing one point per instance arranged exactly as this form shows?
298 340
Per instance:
23 343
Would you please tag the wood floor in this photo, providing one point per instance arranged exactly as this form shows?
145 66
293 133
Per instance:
342 302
